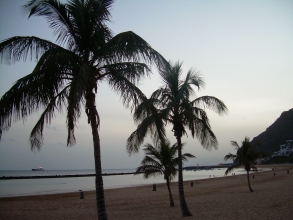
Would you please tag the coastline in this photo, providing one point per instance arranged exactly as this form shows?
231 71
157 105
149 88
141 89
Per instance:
26 186
221 198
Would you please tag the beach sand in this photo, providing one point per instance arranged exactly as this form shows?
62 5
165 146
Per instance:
215 198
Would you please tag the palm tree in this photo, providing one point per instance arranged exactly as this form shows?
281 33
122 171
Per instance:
68 72
161 160
245 156
171 104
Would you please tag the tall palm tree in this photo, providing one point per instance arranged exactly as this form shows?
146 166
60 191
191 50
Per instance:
68 72
171 104
245 156
161 160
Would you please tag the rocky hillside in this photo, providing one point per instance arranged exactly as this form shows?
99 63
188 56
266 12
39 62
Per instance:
276 134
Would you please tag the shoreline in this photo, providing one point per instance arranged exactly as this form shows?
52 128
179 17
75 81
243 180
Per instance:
221 198
77 187
38 186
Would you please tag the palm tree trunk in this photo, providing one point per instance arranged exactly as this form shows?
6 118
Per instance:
170 193
249 182
184 209
92 114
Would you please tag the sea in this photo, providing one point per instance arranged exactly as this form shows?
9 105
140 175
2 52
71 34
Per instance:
25 187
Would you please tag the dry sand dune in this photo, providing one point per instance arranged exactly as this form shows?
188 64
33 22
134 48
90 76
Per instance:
216 198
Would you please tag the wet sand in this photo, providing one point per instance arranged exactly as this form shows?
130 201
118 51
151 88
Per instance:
215 198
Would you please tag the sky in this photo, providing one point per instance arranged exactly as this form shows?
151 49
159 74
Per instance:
242 48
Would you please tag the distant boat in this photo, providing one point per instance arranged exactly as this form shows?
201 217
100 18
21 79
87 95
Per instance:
39 169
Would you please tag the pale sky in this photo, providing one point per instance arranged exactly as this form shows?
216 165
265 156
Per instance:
243 49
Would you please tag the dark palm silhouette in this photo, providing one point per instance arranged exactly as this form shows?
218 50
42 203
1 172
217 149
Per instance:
245 156
162 160
171 104
67 73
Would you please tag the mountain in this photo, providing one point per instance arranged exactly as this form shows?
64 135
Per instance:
276 134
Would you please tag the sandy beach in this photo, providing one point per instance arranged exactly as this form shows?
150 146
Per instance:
215 198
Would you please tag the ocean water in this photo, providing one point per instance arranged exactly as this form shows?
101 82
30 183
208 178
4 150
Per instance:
23 187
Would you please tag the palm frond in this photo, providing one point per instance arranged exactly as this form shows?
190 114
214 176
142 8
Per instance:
195 79
201 129
231 168
230 157
36 90
24 98
137 137
36 136
161 159
192 79
22 48
144 110
56 14
170 75
130 94
235 144
151 122
211 103
129 46
186 156
78 86
132 71
90 30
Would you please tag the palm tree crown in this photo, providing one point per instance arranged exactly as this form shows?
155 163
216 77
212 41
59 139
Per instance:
67 72
246 156
161 160
66 76
171 104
